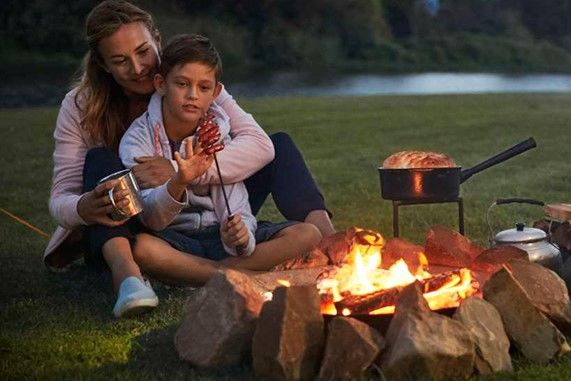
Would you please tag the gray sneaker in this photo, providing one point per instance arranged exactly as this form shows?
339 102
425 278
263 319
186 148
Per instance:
135 297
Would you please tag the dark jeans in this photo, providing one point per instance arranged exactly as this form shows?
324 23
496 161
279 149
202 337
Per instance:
101 162
289 181
286 177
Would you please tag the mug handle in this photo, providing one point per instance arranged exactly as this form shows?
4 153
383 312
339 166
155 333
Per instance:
110 194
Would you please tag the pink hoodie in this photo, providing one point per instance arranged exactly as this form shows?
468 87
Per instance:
72 144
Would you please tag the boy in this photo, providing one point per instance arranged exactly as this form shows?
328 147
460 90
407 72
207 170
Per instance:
194 219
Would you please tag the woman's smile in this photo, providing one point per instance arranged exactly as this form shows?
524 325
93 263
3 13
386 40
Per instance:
143 78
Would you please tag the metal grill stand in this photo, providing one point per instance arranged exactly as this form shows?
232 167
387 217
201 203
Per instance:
398 203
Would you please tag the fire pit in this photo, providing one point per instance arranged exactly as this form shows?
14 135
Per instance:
388 292
360 286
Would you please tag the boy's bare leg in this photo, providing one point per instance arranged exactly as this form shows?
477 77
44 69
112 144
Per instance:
320 218
119 257
289 243
161 261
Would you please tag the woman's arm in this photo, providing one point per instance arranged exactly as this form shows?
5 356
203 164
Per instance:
248 152
69 157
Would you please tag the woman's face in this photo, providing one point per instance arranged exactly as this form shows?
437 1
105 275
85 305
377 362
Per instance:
130 55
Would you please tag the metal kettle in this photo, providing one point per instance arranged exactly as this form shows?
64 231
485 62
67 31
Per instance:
534 241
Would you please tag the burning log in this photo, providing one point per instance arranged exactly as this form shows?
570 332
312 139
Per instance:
334 249
363 304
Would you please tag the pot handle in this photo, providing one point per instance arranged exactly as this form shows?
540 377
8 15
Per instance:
515 150
510 200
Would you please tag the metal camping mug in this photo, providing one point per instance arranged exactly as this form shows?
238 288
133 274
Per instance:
127 181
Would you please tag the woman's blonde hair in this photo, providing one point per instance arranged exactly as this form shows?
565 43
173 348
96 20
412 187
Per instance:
105 114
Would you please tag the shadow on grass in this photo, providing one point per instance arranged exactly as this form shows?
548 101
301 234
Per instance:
86 290
153 356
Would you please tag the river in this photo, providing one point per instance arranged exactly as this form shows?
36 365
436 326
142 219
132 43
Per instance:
304 84
293 84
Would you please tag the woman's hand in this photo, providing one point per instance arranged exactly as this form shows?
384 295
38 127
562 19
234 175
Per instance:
152 171
234 233
94 207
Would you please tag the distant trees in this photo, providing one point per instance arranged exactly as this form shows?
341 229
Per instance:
289 33
44 25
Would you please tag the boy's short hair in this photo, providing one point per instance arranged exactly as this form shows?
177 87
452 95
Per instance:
188 48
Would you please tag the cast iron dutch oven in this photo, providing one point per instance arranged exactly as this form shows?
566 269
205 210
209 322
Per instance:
438 184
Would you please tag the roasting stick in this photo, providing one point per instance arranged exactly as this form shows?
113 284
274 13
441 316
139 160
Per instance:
239 249
208 121
222 185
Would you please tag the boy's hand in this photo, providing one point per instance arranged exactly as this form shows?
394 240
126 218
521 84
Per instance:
234 233
194 165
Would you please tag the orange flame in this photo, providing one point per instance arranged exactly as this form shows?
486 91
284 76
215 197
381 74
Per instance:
362 274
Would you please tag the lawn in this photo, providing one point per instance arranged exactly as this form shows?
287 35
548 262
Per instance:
60 326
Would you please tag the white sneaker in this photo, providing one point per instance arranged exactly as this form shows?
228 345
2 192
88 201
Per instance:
134 297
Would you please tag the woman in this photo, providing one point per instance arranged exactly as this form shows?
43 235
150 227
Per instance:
115 88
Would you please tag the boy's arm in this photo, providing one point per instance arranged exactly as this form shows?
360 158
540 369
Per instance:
159 207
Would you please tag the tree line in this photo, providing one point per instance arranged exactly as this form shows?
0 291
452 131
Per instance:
362 34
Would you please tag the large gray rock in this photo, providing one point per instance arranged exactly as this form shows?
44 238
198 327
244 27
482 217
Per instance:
546 290
492 260
425 345
218 321
289 336
449 248
530 331
486 329
351 347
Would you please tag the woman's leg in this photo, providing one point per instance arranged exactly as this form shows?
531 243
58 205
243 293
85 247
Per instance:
161 261
292 187
288 243
104 242
111 246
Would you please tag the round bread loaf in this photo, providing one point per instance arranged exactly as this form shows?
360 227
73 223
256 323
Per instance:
418 159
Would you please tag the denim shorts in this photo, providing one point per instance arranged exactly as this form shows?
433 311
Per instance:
206 243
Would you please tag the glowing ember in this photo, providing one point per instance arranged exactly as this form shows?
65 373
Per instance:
284 282
361 274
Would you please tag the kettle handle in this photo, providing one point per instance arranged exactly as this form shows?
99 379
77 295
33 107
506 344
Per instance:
510 200
520 200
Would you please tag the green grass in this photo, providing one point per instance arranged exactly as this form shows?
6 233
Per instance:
59 326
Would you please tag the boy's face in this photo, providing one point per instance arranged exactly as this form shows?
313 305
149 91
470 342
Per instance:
188 91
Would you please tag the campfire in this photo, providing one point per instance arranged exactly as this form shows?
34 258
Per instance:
520 306
360 285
